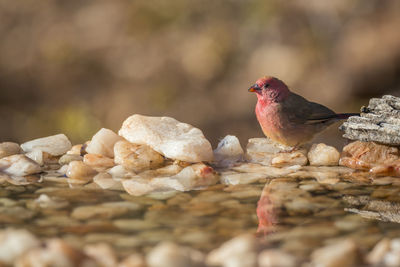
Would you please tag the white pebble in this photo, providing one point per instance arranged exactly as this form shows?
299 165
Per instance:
339 254
276 257
228 151
103 143
323 155
19 165
55 145
9 149
168 254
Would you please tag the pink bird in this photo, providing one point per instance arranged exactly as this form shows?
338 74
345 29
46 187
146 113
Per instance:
288 118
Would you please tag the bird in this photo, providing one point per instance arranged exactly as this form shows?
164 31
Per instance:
288 118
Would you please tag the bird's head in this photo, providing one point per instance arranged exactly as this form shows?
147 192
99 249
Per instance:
270 89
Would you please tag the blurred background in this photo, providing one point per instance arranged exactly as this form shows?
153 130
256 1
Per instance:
76 66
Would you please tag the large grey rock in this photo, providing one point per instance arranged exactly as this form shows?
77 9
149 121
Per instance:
379 122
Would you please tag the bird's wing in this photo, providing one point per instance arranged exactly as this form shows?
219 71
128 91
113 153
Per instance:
300 110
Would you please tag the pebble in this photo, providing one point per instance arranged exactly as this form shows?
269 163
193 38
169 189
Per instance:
171 138
102 253
135 157
46 202
98 161
339 254
276 257
79 171
105 181
9 149
19 165
234 178
67 158
14 243
168 254
75 150
295 158
55 145
103 143
228 151
106 210
239 251
323 155
376 256
133 260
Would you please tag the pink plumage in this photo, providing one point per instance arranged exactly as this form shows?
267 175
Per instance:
288 118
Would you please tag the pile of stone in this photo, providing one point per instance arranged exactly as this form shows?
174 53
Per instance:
152 154
377 135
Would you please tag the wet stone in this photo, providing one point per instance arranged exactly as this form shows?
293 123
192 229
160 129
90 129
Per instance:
228 152
55 145
9 149
323 155
67 158
103 143
19 165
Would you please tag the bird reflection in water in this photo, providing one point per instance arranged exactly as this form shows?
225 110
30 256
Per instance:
266 212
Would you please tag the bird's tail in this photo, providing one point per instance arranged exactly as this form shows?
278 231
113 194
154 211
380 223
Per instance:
344 116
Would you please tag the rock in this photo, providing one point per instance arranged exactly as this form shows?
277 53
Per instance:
276 257
168 254
55 145
9 149
37 156
14 243
228 151
98 161
103 143
136 157
120 172
105 181
379 122
80 172
191 177
19 165
339 254
235 178
294 158
380 159
323 155
67 158
239 251
106 210
171 138
75 150
266 152
102 253
46 202
392 257
56 252
376 256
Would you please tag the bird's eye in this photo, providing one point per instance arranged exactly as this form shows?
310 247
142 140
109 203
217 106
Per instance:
266 85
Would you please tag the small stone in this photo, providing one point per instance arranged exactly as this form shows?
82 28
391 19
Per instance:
133 260
290 159
228 151
19 165
9 149
339 254
79 171
135 157
239 251
98 161
392 259
235 178
191 177
103 143
75 150
378 253
46 202
67 158
276 257
168 254
102 253
106 210
119 172
171 138
14 243
105 181
37 156
55 145
323 155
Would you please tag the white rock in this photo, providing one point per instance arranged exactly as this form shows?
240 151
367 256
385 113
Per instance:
276 257
98 161
378 252
235 178
228 151
19 165
105 181
9 149
136 157
14 243
75 150
191 177
266 152
168 254
67 158
120 172
37 156
102 253
340 254
103 143
46 202
240 251
55 145
323 155
171 138
133 260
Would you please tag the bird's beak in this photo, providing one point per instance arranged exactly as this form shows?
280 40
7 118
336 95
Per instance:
254 88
